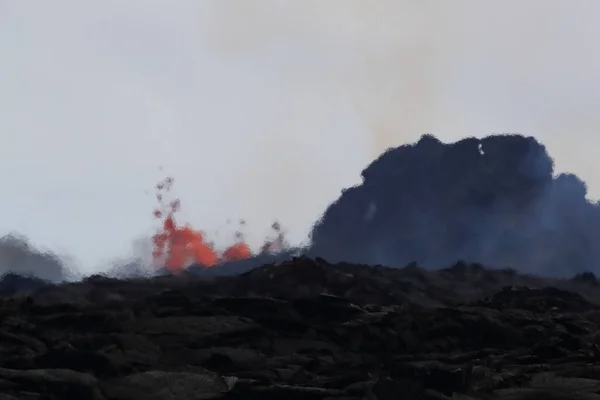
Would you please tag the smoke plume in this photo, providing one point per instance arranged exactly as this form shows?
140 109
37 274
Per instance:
494 201
18 256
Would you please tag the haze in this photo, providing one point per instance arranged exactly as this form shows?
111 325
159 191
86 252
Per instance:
265 110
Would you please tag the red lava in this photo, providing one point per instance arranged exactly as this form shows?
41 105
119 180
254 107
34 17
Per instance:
177 247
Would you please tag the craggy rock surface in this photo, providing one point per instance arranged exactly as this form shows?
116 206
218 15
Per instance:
304 329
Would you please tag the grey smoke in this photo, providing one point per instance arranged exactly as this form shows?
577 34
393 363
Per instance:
18 256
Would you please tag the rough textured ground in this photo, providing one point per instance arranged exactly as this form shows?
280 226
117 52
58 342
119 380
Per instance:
303 329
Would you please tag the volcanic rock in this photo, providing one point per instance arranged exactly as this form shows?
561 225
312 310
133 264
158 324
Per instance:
12 284
305 329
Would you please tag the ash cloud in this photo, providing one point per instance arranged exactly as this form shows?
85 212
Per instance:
18 256
495 201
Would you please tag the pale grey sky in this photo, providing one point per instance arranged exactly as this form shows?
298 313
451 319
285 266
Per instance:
266 109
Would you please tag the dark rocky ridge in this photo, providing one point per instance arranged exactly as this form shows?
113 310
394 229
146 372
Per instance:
305 329
493 200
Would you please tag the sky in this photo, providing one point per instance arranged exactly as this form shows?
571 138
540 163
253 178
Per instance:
265 110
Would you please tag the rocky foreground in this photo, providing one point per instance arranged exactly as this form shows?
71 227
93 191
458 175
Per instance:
304 329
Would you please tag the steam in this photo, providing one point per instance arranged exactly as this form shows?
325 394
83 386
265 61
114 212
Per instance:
388 71
352 79
349 80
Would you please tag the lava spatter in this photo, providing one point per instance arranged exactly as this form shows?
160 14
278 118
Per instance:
177 247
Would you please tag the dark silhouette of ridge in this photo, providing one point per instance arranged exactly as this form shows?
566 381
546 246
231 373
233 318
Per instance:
12 284
493 201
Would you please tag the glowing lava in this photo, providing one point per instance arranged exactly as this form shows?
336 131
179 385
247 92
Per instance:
178 247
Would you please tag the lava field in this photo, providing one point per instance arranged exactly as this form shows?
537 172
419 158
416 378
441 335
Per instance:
303 329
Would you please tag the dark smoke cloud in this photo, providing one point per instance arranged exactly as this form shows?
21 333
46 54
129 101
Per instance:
494 200
18 256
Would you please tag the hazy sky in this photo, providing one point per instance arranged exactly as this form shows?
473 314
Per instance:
266 109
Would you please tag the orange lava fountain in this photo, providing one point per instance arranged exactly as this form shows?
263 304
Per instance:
177 247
